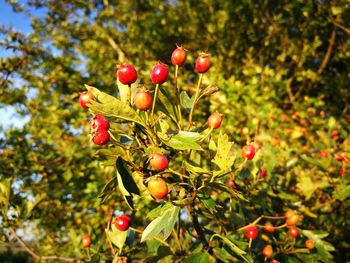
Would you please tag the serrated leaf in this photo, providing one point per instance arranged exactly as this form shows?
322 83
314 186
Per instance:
156 212
308 187
200 257
110 106
323 247
207 201
232 246
342 192
116 236
224 157
186 101
195 169
126 182
184 140
162 226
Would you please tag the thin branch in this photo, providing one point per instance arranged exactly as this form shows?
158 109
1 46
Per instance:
38 257
328 53
342 27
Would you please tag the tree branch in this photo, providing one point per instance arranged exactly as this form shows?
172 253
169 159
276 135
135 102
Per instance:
328 53
38 257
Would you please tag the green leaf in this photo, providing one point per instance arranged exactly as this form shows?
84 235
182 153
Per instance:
232 246
308 187
117 237
126 182
110 106
207 201
342 192
158 210
184 140
314 162
323 247
30 205
195 169
186 101
225 188
224 157
162 226
201 257
109 188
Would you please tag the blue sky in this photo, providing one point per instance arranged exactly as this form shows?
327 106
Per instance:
22 24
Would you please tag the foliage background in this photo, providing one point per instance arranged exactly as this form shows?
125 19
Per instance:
284 63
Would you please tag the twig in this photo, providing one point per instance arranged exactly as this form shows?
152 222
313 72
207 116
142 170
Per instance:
328 53
38 257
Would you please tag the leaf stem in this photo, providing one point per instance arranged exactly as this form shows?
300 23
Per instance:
177 240
207 135
154 101
195 100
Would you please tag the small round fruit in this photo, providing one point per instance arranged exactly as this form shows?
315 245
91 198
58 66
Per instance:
230 184
122 222
99 122
143 100
263 172
268 227
293 232
267 251
292 218
158 161
126 74
310 244
101 137
178 57
84 99
251 232
203 63
214 120
159 73
86 241
248 151
157 187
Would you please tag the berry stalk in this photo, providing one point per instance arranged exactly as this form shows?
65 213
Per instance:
195 100
154 101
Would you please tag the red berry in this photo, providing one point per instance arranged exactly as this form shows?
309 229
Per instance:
263 172
85 98
251 232
324 154
292 218
86 241
127 74
268 227
310 244
293 232
99 123
178 57
122 222
157 187
214 120
248 151
203 63
158 161
267 251
143 100
230 184
159 73
101 137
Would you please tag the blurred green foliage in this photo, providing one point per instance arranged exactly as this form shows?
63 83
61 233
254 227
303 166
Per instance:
285 64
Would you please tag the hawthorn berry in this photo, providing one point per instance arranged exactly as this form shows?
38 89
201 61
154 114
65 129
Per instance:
248 151
86 241
159 73
99 122
251 232
84 99
101 137
263 172
293 232
143 100
310 244
267 251
157 187
158 161
122 222
178 57
203 63
126 74
292 218
214 120
268 227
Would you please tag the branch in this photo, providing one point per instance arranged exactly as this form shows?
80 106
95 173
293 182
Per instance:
342 27
38 257
328 54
